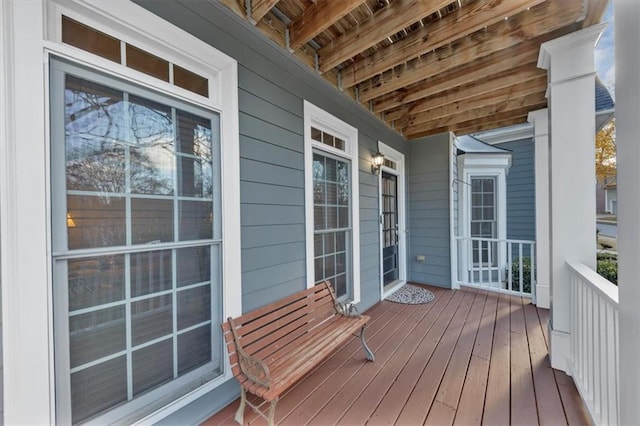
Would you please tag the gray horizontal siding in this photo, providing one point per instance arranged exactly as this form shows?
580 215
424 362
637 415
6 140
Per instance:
521 196
429 211
272 88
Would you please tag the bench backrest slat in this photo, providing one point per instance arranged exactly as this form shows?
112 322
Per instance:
267 331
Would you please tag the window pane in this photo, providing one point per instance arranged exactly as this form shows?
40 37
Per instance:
332 193
95 281
95 221
194 348
195 178
316 134
151 318
332 217
94 41
194 306
194 265
147 63
317 244
319 220
97 388
190 81
152 170
343 217
194 135
151 221
152 366
150 272
96 334
196 220
331 166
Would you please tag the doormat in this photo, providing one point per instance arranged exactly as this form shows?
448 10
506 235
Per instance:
411 295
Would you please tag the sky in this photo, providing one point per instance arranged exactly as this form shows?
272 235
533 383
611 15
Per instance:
604 54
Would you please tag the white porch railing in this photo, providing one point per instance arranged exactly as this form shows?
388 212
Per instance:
594 342
505 266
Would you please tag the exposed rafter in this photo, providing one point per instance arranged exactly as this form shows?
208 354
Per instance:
450 28
426 66
317 18
386 22
259 8
500 36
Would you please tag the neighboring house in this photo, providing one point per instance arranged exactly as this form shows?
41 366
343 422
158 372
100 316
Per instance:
165 167
605 110
611 196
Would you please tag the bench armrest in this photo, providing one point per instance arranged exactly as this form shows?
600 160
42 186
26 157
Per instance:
254 368
346 310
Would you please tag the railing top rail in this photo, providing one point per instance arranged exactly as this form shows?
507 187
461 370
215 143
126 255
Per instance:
605 287
495 240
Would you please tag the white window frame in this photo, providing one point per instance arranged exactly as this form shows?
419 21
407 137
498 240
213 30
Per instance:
399 171
34 35
472 166
322 120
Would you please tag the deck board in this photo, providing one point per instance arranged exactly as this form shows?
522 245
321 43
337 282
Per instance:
467 358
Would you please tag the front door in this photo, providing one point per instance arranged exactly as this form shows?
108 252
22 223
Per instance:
389 218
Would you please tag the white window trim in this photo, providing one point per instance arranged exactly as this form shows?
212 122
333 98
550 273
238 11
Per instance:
316 117
399 171
33 34
482 165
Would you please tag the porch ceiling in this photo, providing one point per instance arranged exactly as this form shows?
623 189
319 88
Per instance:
427 66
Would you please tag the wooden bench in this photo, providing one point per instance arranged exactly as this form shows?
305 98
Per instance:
273 346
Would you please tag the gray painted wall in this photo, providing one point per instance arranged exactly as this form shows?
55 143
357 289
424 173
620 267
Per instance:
521 196
428 210
272 88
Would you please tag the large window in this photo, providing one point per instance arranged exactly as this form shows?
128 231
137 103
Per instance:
331 202
137 242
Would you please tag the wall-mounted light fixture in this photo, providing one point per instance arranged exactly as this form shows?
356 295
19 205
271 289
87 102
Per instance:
376 162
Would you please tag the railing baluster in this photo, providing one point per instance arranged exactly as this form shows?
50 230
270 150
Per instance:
594 342
510 266
521 281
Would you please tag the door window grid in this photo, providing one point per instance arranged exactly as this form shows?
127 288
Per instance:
389 228
153 329
332 223
484 220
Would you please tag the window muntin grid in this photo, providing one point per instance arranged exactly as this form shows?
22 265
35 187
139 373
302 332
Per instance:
132 174
484 222
332 221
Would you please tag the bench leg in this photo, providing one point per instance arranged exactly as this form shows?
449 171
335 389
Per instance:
367 351
243 402
272 412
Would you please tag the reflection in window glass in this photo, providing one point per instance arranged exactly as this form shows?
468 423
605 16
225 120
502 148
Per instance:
95 221
331 213
151 221
94 281
150 272
134 170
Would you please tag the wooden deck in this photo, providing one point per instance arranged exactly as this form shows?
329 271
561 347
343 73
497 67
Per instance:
468 357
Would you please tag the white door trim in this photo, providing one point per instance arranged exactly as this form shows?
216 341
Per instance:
398 158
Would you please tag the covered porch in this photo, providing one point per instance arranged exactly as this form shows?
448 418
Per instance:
468 357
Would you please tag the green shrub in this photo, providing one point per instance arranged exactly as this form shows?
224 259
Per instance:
608 268
526 274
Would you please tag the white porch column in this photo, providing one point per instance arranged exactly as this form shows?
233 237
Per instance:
569 61
540 121
627 42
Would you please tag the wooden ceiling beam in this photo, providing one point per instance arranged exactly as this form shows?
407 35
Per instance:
317 18
506 94
451 27
473 126
259 8
490 67
495 85
387 21
532 101
498 37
